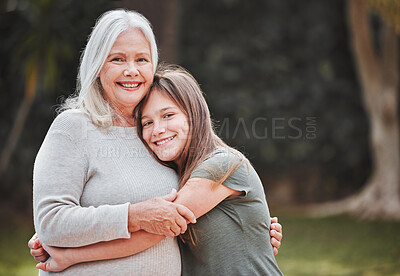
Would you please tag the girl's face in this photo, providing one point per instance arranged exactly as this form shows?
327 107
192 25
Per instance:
165 127
127 73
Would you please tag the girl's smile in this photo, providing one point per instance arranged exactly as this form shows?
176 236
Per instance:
165 127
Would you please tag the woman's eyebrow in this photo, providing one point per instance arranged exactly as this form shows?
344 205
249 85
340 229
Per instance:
115 53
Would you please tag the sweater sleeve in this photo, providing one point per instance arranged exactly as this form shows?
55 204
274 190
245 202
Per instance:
58 181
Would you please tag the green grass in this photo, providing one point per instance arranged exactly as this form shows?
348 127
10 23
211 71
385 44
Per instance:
321 247
15 259
339 246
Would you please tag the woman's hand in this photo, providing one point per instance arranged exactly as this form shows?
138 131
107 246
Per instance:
59 259
36 248
160 216
276 234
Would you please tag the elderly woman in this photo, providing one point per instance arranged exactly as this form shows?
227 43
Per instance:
94 180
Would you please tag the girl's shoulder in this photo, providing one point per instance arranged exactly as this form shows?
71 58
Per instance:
222 163
223 155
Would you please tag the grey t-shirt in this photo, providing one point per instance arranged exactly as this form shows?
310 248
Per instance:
233 238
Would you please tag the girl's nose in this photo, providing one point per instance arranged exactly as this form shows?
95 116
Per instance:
159 129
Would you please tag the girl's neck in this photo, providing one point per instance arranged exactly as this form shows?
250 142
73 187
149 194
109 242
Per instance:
179 164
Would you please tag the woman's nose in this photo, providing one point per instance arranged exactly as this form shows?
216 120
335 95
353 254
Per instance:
131 70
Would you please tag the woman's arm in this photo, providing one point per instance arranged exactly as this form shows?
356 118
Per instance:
58 182
200 195
62 258
60 175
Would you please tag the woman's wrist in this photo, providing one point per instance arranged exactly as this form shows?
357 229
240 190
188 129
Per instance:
133 222
72 257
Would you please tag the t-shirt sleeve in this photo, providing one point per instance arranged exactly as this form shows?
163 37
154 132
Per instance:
58 182
219 164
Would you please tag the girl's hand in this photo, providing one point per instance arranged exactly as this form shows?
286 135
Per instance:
59 259
37 251
276 234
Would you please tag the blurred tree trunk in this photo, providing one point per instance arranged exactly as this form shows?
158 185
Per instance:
23 111
164 17
379 78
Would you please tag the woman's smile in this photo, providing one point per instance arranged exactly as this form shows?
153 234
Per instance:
128 68
130 85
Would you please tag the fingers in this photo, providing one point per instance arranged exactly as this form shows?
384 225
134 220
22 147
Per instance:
160 216
275 243
182 223
40 255
275 251
186 213
274 220
276 235
171 196
37 252
176 230
276 226
43 266
34 242
36 249
42 258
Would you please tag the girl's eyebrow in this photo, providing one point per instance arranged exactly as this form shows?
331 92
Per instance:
161 110
166 108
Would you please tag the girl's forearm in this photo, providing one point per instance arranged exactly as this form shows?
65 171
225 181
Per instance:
138 242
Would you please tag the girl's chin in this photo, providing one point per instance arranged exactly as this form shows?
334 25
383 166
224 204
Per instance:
166 157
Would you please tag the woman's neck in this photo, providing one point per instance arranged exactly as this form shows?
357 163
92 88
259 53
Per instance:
123 119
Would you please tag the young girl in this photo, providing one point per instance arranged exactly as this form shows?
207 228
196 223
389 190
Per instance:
217 183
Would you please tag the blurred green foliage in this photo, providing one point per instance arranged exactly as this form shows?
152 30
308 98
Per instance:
282 67
278 76
62 26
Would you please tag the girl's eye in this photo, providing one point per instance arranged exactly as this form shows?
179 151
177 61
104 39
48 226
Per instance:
168 115
145 124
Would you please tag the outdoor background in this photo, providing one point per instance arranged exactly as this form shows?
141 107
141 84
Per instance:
308 90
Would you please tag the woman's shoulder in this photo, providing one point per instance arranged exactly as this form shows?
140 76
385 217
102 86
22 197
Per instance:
70 121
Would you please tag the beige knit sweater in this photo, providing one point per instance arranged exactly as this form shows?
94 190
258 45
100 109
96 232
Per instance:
84 179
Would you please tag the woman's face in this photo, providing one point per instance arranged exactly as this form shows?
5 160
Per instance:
165 127
127 73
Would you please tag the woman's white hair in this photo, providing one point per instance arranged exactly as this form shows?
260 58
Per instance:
89 94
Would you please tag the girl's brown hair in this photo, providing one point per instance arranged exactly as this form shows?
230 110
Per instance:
184 90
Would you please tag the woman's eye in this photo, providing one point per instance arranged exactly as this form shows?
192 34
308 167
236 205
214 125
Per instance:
117 59
168 115
142 60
